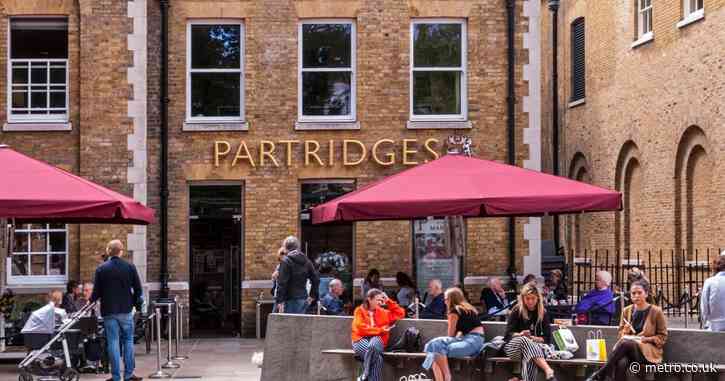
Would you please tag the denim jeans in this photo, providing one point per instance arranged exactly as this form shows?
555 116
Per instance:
453 347
295 306
119 338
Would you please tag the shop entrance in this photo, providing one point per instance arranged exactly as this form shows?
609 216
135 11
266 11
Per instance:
215 251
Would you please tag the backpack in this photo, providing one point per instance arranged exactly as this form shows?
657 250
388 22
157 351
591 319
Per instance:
410 342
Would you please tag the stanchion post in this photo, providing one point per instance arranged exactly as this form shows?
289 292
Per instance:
179 330
170 364
159 373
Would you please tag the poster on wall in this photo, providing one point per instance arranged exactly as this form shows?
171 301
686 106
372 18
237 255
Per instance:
433 256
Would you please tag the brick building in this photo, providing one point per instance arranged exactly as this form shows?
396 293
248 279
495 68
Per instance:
273 107
640 84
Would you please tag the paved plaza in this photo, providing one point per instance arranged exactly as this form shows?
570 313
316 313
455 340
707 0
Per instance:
209 360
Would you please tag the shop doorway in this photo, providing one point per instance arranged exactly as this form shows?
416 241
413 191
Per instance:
215 259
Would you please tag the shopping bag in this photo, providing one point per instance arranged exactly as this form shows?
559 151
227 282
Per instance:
596 346
565 340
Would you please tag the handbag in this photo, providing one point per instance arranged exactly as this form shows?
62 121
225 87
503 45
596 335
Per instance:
410 342
565 340
596 346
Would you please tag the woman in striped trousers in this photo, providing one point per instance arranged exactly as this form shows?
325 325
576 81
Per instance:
527 330
371 325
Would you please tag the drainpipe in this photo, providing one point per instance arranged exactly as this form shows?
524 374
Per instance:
511 124
554 8
164 187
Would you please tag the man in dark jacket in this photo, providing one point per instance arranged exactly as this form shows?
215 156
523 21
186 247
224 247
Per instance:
436 307
118 286
294 271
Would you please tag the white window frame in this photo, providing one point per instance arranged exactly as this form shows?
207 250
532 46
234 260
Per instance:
463 116
691 14
352 69
189 70
641 15
38 279
33 118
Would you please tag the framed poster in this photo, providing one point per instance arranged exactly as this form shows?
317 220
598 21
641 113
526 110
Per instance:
433 256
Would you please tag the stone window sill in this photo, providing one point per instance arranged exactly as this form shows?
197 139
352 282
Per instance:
37 127
692 18
439 125
646 38
326 126
210 126
577 102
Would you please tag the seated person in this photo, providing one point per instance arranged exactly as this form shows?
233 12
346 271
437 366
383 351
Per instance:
642 336
528 329
436 307
494 298
325 279
371 327
465 336
554 287
597 303
331 302
43 320
406 289
73 293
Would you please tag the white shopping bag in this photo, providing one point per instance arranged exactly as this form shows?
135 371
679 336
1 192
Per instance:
596 346
565 340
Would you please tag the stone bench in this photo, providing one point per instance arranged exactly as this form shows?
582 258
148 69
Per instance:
295 344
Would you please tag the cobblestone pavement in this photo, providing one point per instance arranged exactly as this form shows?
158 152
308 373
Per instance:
209 360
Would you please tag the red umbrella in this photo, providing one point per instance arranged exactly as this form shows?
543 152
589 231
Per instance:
31 190
456 185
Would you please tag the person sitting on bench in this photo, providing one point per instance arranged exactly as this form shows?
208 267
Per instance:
371 327
597 304
642 335
527 330
465 336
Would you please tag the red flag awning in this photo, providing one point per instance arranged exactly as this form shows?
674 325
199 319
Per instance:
456 185
31 190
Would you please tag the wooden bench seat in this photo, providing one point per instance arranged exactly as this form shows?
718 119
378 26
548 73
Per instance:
402 356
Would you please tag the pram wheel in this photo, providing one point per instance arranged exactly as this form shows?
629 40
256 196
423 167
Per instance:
70 375
24 376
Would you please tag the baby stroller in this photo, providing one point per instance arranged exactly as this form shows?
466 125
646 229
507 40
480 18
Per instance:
49 349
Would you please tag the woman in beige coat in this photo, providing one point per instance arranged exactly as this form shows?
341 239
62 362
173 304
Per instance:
642 336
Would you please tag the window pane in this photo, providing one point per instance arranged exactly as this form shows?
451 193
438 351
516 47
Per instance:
20 243
57 241
20 99
20 75
38 74
39 38
38 242
57 99
326 45
20 265
215 46
215 94
326 93
57 75
37 264
437 93
39 99
437 45
57 264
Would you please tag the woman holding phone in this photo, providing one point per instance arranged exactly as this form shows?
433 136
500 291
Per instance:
527 330
465 336
371 325
642 335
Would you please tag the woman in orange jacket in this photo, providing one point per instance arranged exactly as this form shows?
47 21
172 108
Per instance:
371 327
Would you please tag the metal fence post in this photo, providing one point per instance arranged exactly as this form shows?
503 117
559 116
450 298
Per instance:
170 364
159 373
179 334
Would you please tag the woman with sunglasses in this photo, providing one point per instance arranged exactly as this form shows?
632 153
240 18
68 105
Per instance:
371 325
465 336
